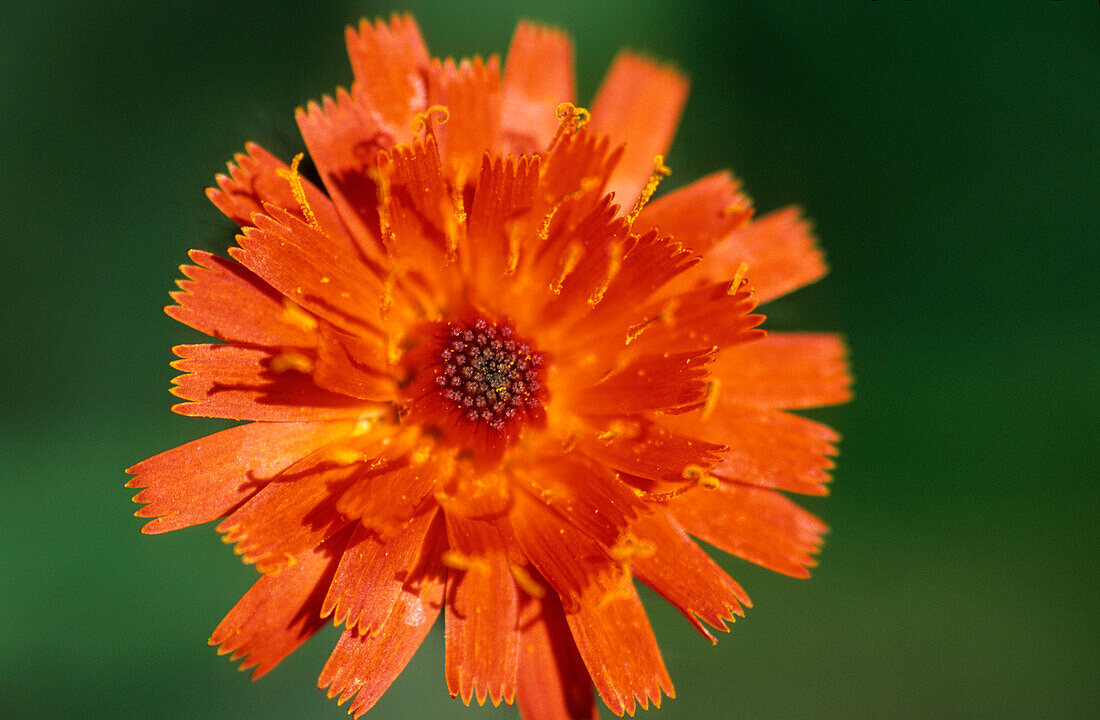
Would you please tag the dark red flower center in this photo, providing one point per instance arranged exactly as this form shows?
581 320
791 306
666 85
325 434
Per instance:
490 376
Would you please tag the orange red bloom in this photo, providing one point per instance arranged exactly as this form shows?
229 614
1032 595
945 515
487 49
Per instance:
487 375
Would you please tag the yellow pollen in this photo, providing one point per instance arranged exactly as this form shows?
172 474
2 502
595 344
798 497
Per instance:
631 546
568 265
299 191
738 277
525 582
570 119
345 456
710 399
700 477
291 360
298 317
459 561
623 589
385 299
385 224
613 266
513 251
660 172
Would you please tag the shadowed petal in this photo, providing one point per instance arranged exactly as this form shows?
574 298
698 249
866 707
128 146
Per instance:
372 572
552 682
328 279
364 666
248 383
281 611
258 179
647 450
482 630
617 644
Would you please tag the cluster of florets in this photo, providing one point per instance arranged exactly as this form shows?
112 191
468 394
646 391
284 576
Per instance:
489 375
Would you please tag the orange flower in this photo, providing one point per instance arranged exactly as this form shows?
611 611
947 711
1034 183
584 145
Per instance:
486 376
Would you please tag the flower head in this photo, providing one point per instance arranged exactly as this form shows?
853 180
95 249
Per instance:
487 375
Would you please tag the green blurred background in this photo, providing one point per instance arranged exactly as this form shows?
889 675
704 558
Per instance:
948 154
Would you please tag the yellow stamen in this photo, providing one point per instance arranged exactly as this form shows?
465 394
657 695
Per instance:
299 191
570 119
738 278
382 182
660 172
568 265
614 264
423 121
291 360
710 399
527 583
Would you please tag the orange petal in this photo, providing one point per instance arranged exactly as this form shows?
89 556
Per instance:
552 682
647 449
505 189
699 215
779 249
766 448
709 316
646 267
343 138
247 383
586 495
390 62
386 498
293 514
314 272
569 559
418 207
785 370
482 615
353 365
224 299
704 317
372 572
364 666
470 91
757 524
207 478
681 573
257 179
668 381
639 103
617 644
280 612
538 76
